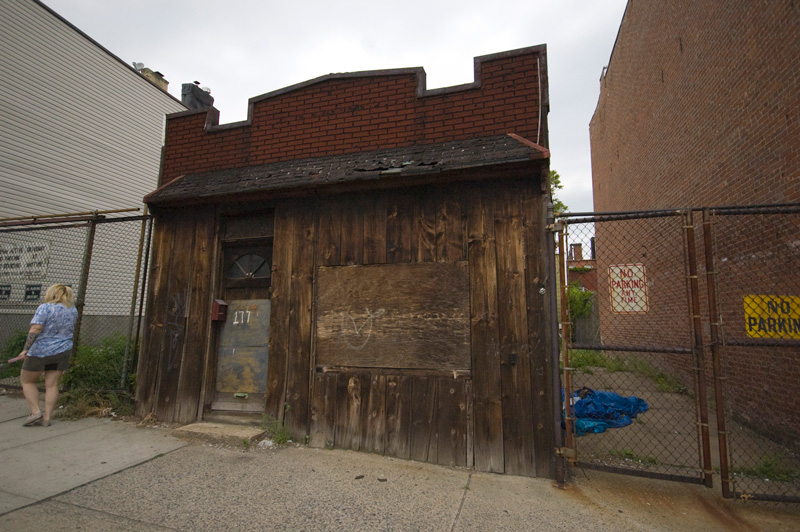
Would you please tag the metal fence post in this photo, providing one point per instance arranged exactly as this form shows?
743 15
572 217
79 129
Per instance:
128 339
699 359
716 336
566 332
80 301
560 461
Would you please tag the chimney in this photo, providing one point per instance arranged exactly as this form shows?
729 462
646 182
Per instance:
193 97
577 251
156 78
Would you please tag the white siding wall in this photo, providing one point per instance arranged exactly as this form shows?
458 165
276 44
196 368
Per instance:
79 131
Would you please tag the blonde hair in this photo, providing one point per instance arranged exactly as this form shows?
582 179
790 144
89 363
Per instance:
59 293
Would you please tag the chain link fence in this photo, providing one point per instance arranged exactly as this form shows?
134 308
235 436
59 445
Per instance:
102 259
681 339
752 260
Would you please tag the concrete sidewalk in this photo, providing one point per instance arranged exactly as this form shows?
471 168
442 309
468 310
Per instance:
174 486
39 462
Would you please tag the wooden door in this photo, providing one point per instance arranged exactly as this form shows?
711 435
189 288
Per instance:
241 369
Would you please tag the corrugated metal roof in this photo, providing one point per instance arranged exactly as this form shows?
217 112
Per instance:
378 165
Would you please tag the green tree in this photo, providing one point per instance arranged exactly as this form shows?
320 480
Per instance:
555 184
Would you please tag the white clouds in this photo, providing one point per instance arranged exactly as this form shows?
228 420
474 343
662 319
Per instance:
244 48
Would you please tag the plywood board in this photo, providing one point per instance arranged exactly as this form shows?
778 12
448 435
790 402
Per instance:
394 315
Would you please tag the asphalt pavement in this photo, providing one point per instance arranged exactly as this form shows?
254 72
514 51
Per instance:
99 474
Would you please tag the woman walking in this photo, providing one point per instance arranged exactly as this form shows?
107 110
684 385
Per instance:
47 349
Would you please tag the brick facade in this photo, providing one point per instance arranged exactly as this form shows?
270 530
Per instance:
349 113
698 107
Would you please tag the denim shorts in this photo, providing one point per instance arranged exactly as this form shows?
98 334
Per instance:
59 362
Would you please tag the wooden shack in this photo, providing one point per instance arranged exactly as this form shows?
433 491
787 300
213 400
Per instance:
381 250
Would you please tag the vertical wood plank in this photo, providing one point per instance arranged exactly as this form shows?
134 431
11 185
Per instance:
470 436
513 335
277 362
400 215
450 229
398 416
330 233
423 420
348 412
155 332
198 322
452 422
352 234
208 386
176 318
323 411
424 228
375 229
487 403
298 376
538 324
374 416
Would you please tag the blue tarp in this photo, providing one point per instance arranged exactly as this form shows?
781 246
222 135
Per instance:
595 411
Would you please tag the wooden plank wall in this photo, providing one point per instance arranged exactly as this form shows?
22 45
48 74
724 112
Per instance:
499 418
496 418
171 365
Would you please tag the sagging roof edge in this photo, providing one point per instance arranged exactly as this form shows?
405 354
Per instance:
512 170
212 120
373 180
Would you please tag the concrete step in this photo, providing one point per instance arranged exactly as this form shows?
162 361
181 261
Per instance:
221 433
252 419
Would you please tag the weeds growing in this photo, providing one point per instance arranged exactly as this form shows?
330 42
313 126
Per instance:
584 360
276 430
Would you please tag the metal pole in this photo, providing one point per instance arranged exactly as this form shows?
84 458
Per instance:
142 295
699 358
552 286
124 376
81 299
566 335
716 355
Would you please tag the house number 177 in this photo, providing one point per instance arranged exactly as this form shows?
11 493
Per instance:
241 317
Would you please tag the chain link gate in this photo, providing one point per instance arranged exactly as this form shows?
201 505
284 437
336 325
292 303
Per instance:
628 329
673 311
101 257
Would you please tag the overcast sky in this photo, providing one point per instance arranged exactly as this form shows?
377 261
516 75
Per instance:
244 48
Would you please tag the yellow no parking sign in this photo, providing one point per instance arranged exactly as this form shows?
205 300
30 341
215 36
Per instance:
772 316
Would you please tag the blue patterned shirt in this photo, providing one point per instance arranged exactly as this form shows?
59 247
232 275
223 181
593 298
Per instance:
58 324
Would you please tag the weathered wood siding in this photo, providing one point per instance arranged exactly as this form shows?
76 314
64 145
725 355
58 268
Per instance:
177 332
496 417
487 405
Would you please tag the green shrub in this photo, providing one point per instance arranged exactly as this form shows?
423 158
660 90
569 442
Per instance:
580 301
97 368
11 348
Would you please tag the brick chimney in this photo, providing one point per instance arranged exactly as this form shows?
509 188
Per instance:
157 78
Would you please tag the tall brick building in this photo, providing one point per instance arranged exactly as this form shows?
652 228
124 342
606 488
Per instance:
699 107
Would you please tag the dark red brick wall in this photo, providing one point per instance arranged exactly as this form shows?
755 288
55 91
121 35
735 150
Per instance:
353 113
700 106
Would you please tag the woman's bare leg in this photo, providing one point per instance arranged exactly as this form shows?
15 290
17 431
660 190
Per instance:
50 392
29 388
